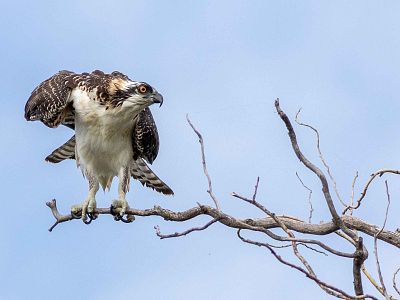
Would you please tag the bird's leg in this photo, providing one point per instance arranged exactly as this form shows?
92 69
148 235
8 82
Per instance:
123 188
89 205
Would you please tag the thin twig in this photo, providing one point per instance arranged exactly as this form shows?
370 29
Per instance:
346 237
343 294
372 177
309 197
256 188
59 218
378 266
190 230
300 244
361 252
371 279
322 158
284 228
352 193
291 238
394 281
203 158
325 187
312 249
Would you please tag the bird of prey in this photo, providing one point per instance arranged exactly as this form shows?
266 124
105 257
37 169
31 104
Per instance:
114 129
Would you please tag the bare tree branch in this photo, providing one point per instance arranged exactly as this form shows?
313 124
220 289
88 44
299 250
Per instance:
341 293
394 281
190 230
309 197
358 262
315 170
291 237
203 158
364 192
361 251
321 156
312 249
59 218
363 267
352 194
378 266
264 223
370 278
345 225
256 188
357 267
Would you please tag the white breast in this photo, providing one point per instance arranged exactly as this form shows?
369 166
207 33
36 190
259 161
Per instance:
103 136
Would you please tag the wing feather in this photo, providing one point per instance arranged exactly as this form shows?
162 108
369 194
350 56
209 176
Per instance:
145 138
65 151
50 101
141 171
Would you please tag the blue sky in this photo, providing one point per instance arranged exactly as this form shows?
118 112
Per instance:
224 63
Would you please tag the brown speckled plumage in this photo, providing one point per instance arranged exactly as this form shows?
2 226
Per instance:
50 101
145 137
51 104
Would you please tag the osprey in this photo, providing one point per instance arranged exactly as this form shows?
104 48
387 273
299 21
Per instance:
115 131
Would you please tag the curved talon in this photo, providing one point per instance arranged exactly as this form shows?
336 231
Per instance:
117 217
87 222
129 219
112 210
92 216
87 210
120 216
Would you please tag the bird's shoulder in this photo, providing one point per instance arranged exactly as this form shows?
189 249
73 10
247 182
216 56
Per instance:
102 87
51 100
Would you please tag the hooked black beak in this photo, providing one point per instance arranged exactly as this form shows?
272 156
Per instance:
157 98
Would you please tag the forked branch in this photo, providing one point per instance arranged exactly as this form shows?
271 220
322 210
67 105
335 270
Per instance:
344 225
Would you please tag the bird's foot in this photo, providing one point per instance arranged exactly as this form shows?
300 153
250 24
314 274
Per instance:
118 210
85 211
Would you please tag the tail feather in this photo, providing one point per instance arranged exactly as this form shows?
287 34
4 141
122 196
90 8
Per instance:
141 171
66 151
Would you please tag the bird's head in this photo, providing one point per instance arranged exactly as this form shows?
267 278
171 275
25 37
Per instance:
137 95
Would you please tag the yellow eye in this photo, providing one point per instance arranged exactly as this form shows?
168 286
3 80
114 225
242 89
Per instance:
142 89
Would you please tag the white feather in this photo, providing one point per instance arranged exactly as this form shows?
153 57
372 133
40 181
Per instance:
103 136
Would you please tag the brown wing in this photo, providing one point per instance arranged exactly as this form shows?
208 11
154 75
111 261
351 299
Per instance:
65 151
145 139
50 101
